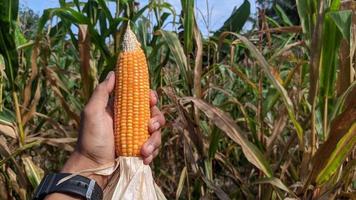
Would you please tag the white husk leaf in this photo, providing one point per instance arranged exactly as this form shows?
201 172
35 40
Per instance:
134 182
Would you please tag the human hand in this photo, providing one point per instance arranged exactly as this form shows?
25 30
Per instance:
96 144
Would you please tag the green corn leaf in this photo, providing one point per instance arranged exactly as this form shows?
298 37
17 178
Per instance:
189 20
237 19
283 15
214 142
266 68
307 13
8 12
340 103
140 12
8 24
64 13
176 49
330 46
105 10
343 148
342 20
19 37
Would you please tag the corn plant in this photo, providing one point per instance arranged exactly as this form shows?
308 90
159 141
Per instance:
266 113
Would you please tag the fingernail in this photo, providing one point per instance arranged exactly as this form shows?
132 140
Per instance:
109 75
156 126
150 149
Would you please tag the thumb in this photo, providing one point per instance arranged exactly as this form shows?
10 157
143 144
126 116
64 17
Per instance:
100 96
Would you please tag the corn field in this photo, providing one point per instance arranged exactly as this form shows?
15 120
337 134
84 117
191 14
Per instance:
262 113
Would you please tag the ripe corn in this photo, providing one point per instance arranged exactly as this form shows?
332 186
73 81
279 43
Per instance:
131 104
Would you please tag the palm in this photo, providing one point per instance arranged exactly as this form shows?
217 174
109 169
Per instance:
96 136
103 149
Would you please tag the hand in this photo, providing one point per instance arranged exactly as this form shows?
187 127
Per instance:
96 144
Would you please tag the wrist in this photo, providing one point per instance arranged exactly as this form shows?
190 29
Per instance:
78 162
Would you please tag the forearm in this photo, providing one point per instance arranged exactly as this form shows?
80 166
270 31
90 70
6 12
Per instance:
58 196
76 163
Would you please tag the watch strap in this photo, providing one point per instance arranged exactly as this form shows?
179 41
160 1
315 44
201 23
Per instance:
77 185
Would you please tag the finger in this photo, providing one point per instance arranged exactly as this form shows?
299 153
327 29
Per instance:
152 143
150 158
100 96
110 106
153 98
157 120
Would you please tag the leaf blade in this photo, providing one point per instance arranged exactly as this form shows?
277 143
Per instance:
225 123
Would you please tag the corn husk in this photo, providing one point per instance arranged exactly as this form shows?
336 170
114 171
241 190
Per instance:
133 180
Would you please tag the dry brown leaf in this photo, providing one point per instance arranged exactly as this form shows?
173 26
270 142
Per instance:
181 182
6 153
278 127
3 189
339 127
288 29
194 133
198 61
8 130
217 190
4 149
276 75
34 71
229 127
31 112
88 81
15 185
63 143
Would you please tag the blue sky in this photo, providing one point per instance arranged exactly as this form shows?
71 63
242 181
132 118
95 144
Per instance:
219 10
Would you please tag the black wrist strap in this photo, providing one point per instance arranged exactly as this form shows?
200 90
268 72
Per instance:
78 185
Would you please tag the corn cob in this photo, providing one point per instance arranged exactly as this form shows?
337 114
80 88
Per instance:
131 104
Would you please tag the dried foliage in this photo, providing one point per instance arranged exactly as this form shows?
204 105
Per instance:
261 114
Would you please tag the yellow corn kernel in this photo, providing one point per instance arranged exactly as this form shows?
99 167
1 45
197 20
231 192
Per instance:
131 104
